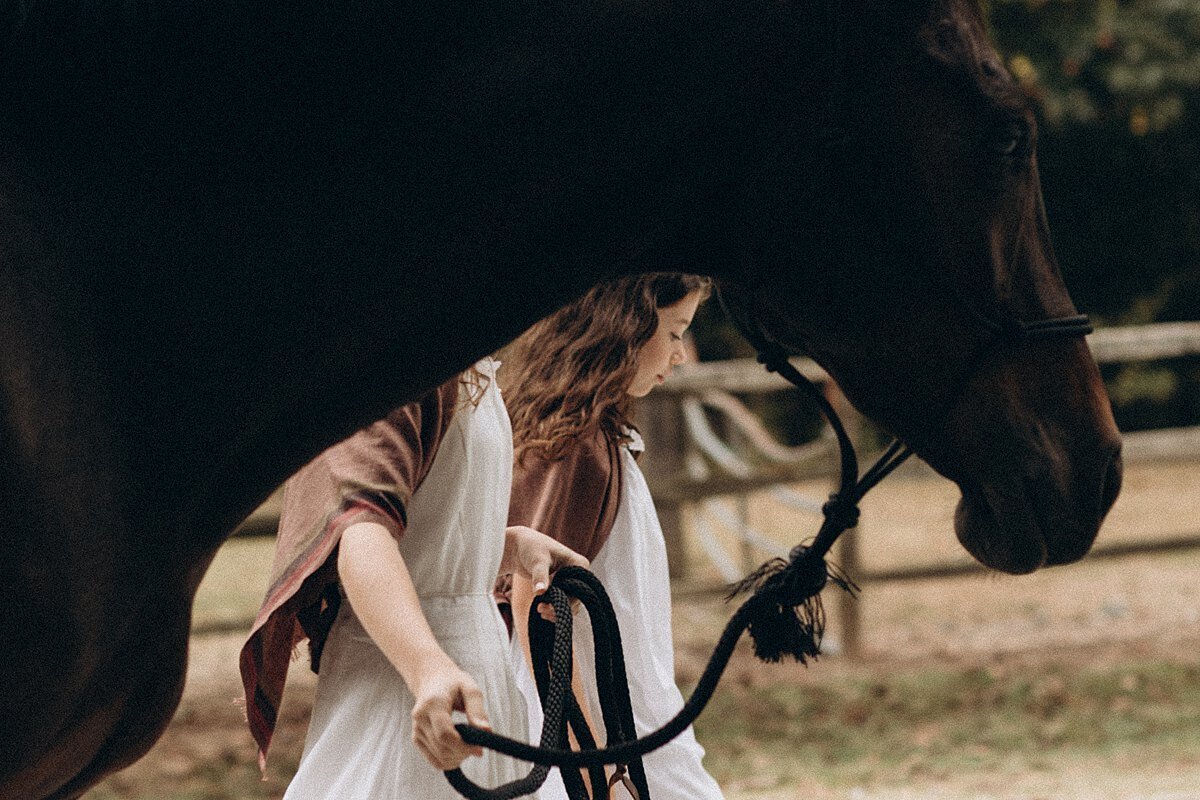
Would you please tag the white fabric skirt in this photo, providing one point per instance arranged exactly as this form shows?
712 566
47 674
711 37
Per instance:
359 744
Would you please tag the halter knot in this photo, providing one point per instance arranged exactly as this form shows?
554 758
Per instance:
841 511
785 616
802 578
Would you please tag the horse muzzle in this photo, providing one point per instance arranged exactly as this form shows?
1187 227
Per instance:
1021 522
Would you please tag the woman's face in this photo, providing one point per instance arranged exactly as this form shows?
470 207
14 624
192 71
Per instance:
658 357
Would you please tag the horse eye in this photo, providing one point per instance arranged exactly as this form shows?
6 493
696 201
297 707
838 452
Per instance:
1011 139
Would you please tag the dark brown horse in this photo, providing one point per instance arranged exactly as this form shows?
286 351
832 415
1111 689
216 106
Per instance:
232 232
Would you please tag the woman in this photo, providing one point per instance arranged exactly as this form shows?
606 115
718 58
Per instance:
390 543
576 478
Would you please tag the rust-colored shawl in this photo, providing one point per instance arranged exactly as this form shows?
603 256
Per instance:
574 498
369 477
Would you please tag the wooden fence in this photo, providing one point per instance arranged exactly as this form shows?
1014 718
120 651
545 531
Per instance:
691 462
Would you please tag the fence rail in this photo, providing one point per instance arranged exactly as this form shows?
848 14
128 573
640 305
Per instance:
690 464
1108 345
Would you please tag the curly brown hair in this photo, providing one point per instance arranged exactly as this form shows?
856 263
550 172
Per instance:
571 372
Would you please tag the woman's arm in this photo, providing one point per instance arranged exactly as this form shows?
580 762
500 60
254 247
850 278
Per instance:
380 590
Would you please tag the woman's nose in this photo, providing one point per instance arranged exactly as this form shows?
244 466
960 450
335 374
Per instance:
678 356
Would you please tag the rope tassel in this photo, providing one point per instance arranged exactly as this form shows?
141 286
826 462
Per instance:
785 614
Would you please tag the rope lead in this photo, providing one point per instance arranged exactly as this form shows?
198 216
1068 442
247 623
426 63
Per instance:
784 613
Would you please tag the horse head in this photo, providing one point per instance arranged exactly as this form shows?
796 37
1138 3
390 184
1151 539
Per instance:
925 229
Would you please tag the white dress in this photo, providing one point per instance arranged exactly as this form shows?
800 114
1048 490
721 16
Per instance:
632 565
359 744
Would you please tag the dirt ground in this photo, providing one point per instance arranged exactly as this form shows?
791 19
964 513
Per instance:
1098 613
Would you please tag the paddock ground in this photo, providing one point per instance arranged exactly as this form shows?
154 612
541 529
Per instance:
1080 682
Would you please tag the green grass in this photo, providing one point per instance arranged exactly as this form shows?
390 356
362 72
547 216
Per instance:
889 729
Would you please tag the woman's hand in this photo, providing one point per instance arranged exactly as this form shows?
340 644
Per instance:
535 556
441 689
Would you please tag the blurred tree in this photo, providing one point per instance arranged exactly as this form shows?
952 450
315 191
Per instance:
1117 87
1092 61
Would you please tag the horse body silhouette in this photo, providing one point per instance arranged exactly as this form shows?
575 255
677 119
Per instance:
231 233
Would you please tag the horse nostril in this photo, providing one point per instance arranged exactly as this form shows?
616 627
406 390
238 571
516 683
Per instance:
1112 482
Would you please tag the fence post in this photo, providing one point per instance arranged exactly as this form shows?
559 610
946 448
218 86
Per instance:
660 419
848 611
